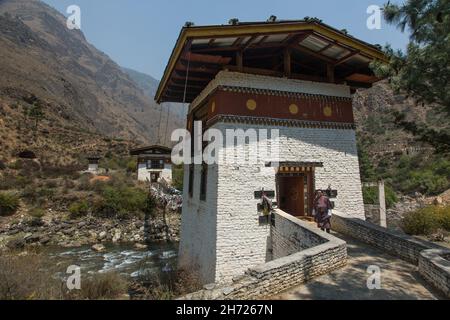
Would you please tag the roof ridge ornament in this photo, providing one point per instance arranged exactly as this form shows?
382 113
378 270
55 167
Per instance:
233 21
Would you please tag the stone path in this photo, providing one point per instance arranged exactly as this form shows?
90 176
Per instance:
400 280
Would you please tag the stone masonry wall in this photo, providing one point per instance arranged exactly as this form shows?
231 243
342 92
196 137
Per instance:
403 246
223 235
432 260
276 276
287 238
198 234
434 266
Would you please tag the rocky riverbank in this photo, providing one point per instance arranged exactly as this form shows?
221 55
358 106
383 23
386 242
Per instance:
19 232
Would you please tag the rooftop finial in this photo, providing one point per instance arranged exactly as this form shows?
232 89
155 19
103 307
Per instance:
272 18
189 24
233 21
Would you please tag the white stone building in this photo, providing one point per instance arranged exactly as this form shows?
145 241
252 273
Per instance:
153 163
295 77
93 162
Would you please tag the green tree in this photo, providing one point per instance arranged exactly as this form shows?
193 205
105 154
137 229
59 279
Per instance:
368 173
423 70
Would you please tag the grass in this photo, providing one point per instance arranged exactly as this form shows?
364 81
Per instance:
30 276
427 220
9 203
370 195
168 286
101 286
79 209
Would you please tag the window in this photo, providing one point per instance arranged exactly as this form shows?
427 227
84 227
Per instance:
155 164
191 180
203 182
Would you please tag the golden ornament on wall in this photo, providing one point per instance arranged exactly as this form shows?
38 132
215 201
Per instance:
213 106
328 112
251 104
293 109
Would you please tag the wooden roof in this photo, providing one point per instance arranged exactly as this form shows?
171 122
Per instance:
154 149
301 49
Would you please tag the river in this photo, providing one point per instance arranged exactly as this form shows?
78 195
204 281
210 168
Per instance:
125 259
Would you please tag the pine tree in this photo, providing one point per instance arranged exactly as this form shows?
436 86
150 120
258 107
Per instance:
424 70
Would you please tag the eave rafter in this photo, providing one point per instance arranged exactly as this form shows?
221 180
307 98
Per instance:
193 67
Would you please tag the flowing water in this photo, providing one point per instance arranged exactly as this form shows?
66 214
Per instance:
158 259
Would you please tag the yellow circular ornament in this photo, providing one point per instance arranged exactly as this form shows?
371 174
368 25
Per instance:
251 104
328 112
293 109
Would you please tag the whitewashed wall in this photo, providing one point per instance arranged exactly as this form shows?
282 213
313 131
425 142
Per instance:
197 248
223 236
144 174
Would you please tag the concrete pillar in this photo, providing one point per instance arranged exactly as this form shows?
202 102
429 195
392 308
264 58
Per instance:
382 199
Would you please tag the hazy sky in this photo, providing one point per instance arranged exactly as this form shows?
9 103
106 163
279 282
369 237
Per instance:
140 34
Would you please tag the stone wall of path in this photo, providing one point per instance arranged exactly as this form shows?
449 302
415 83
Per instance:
301 252
432 260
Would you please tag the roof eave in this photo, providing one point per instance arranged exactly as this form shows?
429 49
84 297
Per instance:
262 28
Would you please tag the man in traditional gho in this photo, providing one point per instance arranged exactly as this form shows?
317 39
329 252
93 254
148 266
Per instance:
322 207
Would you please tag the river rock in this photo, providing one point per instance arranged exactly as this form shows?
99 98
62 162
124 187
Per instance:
16 244
140 246
33 238
102 235
98 247
44 240
117 235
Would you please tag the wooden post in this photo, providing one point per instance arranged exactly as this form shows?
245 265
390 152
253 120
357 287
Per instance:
239 61
382 199
330 72
287 62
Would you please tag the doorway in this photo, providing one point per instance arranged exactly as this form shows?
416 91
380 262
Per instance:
294 193
154 177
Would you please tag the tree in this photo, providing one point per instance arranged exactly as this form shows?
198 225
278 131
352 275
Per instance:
423 71
36 113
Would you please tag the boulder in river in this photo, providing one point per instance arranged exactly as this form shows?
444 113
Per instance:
98 247
141 246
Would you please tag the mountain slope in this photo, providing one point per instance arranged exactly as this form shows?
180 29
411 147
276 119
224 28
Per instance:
40 57
173 114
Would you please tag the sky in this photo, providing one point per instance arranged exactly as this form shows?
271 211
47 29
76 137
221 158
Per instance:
140 34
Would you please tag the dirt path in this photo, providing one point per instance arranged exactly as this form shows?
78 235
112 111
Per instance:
400 280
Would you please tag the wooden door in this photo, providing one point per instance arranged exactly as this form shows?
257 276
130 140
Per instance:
291 195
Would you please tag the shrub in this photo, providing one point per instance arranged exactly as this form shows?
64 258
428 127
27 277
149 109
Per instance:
79 209
84 183
36 213
9 204
177 177
370 195
132 165
19 279
427 220
170 285
102 286
11 181
37 196
121 202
